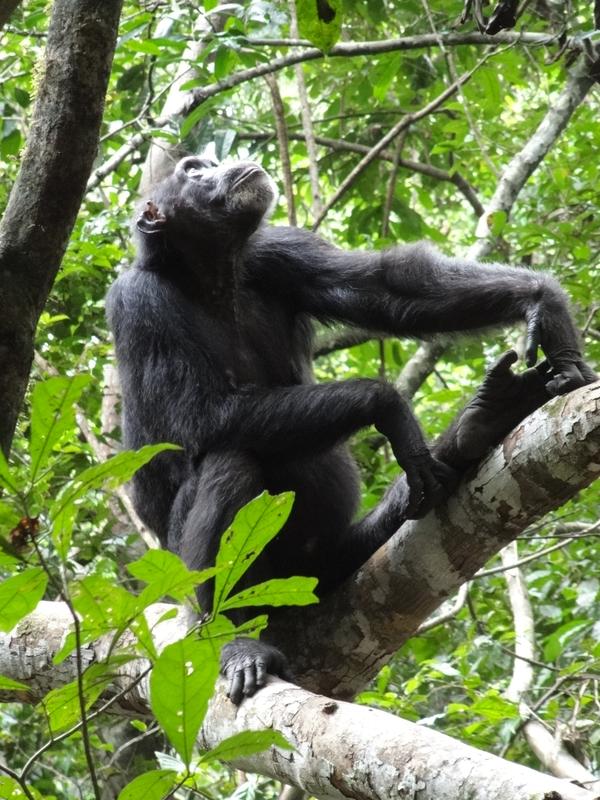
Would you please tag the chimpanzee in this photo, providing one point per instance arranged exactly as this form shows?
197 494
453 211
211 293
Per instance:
213 331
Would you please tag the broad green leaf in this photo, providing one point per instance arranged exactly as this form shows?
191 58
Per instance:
277 592
181 684
103 607
10 789
557 641
246 744
19 596
495 708
110 474
154 785
166 575
252 529
320 21
62 706
10 685
52 414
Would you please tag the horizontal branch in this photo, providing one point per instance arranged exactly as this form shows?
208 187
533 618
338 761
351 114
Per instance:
341 750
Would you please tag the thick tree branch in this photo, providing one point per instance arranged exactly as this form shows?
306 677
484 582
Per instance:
341 750
336 647
354 49
44 201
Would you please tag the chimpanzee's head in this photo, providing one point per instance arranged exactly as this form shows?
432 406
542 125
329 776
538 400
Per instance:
207 203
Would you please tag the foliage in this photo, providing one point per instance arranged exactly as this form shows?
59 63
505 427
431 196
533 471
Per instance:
62 530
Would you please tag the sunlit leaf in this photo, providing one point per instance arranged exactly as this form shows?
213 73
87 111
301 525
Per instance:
52 414
19 595
277 592
181 684
246 744
153 785
252 529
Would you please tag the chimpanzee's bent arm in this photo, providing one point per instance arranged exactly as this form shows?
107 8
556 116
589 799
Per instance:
416 290
502 401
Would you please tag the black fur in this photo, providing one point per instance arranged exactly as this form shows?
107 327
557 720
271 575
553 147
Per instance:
213 331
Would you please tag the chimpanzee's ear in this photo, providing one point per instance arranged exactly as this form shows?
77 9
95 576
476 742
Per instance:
151 220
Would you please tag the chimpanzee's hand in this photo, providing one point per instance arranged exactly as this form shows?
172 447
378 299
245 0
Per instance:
245 664
502 401
569 369
430 482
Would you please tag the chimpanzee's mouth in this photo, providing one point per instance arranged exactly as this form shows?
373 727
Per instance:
248 173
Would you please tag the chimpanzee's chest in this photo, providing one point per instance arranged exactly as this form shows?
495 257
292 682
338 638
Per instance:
262 343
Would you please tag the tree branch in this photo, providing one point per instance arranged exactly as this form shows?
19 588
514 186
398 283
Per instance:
45 198
386 155
395 131
284 151
339 645
340 751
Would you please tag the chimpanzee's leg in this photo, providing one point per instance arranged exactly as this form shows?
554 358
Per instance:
205 506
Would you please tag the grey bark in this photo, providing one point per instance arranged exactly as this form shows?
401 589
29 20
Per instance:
341 750
45 199
339 645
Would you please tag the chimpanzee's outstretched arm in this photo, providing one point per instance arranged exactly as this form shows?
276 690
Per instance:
502 401
416 290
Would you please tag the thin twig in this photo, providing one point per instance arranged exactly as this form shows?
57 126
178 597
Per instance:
307 125
502 568
284 151
402 125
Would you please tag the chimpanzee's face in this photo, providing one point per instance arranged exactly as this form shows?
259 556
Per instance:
208 201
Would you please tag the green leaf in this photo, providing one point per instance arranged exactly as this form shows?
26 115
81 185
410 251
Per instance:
110 474
557 641
154 785
19 596
7 684
62 706
496 221
320 21
252 529
10 789
52 414
246 744
103 607
166 575
181 684
277 592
